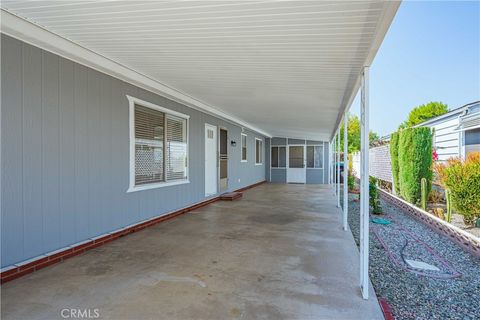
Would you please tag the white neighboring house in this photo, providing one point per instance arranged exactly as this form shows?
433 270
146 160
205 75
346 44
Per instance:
457 132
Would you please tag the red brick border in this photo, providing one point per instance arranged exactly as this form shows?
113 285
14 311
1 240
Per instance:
460 237
387 312
18 270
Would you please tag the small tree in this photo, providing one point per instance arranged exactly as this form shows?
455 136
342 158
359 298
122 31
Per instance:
415 162
374 200
353 134
394 159
462 179
424 112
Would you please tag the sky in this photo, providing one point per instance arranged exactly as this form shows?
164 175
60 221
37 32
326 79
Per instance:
430 53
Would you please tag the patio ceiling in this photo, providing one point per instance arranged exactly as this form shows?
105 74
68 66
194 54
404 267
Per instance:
282 68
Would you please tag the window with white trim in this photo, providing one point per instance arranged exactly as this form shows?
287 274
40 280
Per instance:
258 151
244 147
279 157
315 157
158 146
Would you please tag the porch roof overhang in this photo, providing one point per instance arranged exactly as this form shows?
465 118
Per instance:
279 68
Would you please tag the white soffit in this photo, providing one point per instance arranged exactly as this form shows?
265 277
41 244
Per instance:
281 68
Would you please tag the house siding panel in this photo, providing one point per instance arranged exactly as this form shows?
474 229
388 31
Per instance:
279 175
267 159
11 144
446 139
275 141
314 176
65 154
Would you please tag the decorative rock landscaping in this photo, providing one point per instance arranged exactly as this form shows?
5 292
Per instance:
420 273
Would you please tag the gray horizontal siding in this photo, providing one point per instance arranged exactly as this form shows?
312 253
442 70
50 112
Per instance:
278 175
314 176
296 141
65 154
275 141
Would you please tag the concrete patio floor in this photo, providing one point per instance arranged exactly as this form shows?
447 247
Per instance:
278 253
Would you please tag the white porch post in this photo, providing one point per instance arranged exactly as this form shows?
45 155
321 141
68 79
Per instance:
338 167
345 172
330 165
334 141
364 193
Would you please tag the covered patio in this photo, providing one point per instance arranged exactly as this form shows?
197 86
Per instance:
278 253
129 113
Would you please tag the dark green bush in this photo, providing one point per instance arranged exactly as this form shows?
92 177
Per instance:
394 159
415 162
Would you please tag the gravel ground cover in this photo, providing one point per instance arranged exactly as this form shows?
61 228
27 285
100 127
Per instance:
410 294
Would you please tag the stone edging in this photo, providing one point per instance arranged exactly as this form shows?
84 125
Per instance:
464 239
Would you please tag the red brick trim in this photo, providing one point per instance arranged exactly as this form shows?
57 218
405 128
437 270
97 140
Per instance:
387 312
16 271
251 186
458 236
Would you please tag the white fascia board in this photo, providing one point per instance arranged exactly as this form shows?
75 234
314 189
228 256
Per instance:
383 25
26 31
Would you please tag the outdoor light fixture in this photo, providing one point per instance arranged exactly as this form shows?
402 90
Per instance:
233 143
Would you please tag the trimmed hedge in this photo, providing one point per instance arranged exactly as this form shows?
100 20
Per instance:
394 158
415 162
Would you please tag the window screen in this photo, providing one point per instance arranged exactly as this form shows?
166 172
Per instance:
258 151
279 157
296 157
282 157
244 147
274 157
149 138
176 148
315 157
160 146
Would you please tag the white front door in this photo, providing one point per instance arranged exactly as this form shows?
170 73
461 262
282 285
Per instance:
296 168
210 160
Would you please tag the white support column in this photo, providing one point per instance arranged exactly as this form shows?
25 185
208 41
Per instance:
330 180
334 186
338 167
364 192
345 172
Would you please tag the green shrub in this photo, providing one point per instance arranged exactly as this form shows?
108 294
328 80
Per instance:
351 182
394 159
415 162
462 179
424 194
374 200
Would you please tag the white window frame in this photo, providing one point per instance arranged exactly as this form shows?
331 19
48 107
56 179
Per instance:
323 156
261 152
241 147
278 156
135 101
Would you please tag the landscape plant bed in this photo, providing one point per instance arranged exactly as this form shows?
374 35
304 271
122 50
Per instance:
451 292
462 238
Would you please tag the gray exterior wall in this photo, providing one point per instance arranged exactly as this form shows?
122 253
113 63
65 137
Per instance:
313 176
278 141
278 175
65 154
472 136
267 158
